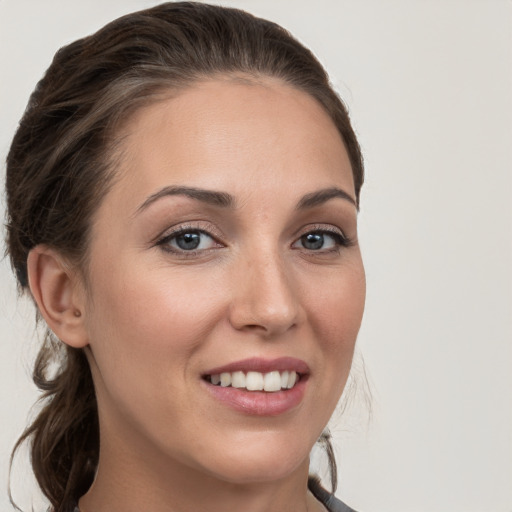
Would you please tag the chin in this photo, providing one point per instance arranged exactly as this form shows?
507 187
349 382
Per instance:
259 461
244 473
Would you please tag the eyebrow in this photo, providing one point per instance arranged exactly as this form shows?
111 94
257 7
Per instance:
225 200
222 199
322 196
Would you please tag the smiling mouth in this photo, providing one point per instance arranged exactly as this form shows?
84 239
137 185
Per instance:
256 381
259 386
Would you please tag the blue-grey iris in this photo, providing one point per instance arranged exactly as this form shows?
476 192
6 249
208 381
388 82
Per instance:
313 241
188 241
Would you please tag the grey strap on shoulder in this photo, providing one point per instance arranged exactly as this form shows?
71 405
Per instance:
330 501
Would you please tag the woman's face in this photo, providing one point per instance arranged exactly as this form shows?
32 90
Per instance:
227 249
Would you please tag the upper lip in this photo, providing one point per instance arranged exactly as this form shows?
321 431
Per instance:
257 364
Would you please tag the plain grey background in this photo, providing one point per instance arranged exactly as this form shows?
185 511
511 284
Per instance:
429 87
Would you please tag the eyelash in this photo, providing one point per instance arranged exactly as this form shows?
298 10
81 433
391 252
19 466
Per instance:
340 240
164 242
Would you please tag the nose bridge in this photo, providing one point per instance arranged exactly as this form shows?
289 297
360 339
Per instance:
264 297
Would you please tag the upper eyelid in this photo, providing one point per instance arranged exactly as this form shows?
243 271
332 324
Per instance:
339 237
327 228
201 226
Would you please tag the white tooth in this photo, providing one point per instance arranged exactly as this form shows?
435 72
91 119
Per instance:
284 379
215 379
238 379
272 381
225 379
292 379
254 381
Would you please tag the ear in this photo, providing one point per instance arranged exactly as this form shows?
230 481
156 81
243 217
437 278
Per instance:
57 290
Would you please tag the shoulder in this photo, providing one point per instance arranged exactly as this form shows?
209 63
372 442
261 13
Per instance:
330 501
333 504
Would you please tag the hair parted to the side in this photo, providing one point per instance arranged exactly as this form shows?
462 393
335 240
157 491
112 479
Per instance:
62 162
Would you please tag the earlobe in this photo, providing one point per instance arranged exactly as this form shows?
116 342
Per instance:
55 289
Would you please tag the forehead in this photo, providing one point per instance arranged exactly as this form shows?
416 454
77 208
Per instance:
229 134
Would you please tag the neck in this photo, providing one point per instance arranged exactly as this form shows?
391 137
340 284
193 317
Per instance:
133 481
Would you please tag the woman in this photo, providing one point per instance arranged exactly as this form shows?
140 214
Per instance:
182 205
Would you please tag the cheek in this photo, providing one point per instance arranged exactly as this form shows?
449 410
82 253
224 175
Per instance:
150 323
146 329
336 311
338 305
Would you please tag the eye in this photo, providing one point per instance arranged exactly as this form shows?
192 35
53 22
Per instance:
188 240
321 241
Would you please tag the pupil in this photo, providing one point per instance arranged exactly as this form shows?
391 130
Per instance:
188 241
313 241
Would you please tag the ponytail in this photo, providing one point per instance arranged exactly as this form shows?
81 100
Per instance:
64 437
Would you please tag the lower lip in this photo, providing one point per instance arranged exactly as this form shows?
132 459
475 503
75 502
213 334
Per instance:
260 403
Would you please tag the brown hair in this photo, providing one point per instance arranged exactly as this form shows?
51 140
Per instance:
60 166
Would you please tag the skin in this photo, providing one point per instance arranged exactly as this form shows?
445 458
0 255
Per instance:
153 318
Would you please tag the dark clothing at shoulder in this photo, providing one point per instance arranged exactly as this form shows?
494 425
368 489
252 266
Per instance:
330 501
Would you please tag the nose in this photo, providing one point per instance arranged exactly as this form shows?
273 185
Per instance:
265 298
